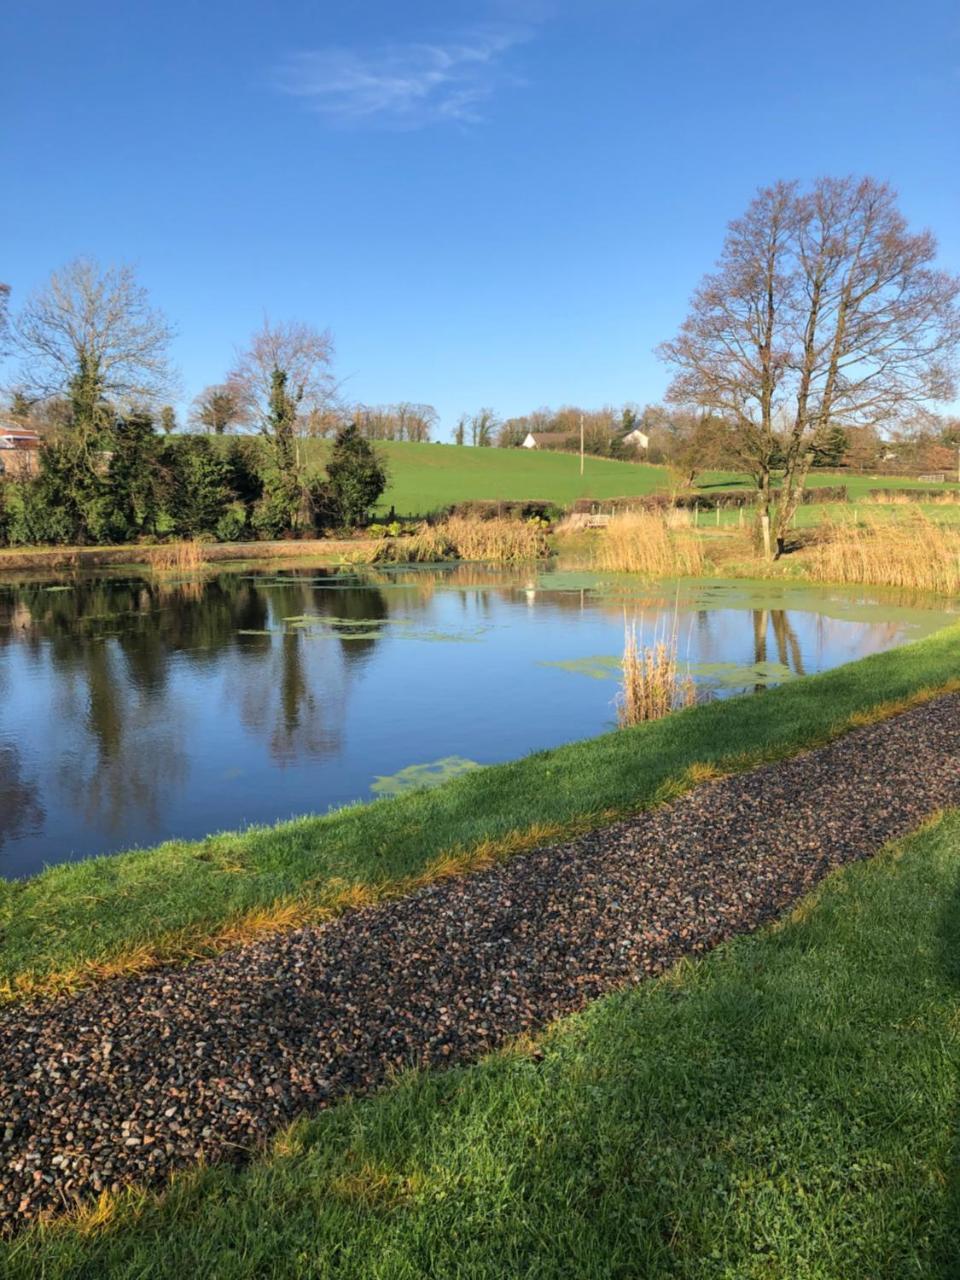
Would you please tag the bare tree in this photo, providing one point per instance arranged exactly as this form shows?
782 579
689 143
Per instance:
824 311
483 427
415 421
693 442
303 354
281 381
91 333
403 421
217 409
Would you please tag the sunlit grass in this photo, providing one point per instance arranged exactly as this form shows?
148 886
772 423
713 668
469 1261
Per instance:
786 1107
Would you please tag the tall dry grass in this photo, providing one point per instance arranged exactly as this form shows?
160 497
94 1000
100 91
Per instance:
500 541
178 557
651 544
897 497
914 552
652 684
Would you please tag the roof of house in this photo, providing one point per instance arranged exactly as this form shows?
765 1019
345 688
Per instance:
549 437
18 438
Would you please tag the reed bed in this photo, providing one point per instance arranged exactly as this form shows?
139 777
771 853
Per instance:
916 552
899 498
499 541
651 544
652 684
178 557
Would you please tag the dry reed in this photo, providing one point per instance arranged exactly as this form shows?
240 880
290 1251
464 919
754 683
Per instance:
500 541
648 543
915 552
652 684
897 497
178 557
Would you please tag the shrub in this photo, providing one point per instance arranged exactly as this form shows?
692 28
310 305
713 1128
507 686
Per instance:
356 477
200 493
232 525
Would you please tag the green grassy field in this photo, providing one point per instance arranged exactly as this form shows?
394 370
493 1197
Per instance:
171 901
425 477
784 1109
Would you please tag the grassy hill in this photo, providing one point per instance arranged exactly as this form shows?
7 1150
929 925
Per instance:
424 477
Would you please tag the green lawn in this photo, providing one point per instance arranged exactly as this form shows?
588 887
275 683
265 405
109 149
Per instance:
97 910
424 477
784 1109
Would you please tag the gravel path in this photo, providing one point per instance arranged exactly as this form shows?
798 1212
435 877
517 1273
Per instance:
148 1074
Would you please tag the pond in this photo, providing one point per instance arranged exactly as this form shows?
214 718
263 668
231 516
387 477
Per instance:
134 709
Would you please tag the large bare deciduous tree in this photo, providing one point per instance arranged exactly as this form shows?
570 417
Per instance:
825 311
299 351
92 334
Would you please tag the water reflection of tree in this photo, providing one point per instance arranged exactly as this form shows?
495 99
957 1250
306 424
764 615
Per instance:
299 697
784 635
20 809
111 642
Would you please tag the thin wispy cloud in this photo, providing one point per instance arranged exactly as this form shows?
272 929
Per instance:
404 86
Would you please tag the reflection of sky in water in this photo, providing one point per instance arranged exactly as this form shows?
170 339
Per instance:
133 711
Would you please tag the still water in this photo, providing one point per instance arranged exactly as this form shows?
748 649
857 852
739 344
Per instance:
134 709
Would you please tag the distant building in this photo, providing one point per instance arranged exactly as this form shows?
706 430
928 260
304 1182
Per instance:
19 450
547 440
637 438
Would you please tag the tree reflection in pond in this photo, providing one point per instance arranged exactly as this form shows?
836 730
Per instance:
134 708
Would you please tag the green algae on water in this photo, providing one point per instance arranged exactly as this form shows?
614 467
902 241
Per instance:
416 777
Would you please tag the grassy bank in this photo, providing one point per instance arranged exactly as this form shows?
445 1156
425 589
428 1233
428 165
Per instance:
317 550
426 477
785 1108
74 923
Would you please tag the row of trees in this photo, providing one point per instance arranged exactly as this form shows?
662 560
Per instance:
149 486
93 353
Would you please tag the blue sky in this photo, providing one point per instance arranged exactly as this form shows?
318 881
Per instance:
488 203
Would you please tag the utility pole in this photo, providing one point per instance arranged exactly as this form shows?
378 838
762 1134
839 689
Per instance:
581 444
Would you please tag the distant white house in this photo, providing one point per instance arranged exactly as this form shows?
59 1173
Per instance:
547 440
639 439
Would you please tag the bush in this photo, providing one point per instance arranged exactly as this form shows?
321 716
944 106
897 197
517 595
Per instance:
232 525
200 492
356 477
519 509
